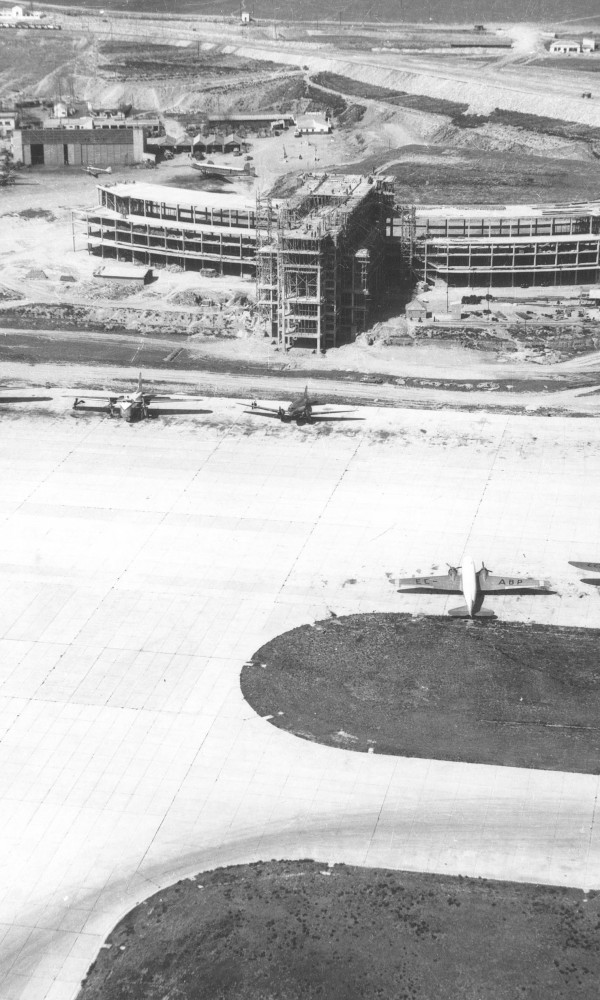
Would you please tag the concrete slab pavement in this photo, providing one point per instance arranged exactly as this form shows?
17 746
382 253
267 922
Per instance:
141 566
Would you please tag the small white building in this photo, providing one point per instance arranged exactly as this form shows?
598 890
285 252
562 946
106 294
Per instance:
589 45
245 17
7 123
19 13
565 48
312 126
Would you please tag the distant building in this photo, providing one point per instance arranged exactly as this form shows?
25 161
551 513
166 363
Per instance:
18 12
62 147
245 17
7 123
313 125
565 48
250 122
416 311
589 45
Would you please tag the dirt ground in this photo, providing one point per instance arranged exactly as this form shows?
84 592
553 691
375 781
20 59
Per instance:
302 930
179 68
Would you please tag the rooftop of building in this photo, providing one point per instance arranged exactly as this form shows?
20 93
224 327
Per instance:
184 197
508 211
335 194
265 116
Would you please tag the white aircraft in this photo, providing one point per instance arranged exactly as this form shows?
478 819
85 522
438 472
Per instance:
95 171
135 405
473 584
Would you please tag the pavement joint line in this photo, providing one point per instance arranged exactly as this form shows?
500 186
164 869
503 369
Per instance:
319 518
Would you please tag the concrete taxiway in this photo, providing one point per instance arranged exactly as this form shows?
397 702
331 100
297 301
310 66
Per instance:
141 566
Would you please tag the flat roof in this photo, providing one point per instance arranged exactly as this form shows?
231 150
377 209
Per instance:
507 211
216 200
266 117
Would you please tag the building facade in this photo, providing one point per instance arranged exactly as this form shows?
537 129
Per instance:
317 257
67 147
154 225
506 246
320 259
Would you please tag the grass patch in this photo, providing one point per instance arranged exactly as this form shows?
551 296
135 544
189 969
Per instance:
417 102
143 61
585 65
464 177
36 213
298 931
492 693
538 124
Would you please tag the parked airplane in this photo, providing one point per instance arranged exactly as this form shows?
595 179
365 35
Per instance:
133 406
473 584
590 567
94 171
301 409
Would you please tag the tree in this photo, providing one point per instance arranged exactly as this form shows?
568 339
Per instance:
7 168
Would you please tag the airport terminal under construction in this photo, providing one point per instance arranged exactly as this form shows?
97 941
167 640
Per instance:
322 255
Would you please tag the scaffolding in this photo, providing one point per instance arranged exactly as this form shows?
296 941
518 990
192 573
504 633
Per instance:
320 259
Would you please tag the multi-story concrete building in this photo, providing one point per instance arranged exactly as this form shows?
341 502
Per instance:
317 257
501 246
156 225
321 258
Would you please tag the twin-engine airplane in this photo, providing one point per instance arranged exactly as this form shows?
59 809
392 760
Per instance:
96 171
301 410
473 584
135 405
590 567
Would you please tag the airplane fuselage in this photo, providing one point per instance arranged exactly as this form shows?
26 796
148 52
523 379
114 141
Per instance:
300 411
469 583
131 407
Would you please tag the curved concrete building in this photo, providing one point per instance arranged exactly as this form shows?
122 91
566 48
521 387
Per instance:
504 245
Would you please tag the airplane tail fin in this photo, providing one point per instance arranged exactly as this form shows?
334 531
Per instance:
463 612
108 170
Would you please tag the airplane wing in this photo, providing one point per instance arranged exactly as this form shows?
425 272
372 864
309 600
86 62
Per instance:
489 583
82 399
24 399
592 567
319 418
451 582
260 412
164 411
151 398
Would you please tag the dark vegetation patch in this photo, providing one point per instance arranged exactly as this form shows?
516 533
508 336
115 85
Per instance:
466 177
36 213
418 102
144 61
420 40
491 692
578 65
538 124
299 930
